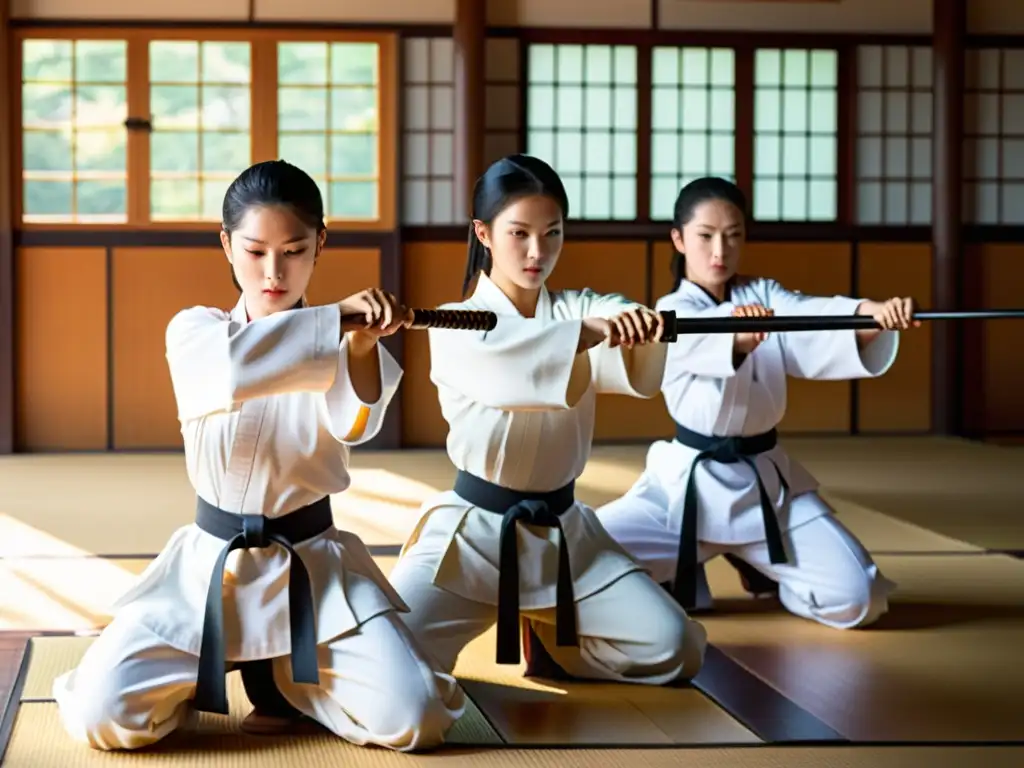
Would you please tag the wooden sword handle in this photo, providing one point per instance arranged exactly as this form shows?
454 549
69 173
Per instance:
453 319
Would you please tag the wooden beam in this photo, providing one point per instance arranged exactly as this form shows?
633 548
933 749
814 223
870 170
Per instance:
7 125
470 38
949 21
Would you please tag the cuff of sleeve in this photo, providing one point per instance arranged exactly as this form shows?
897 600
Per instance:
353 421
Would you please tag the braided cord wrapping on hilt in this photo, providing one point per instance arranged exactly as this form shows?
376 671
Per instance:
454 319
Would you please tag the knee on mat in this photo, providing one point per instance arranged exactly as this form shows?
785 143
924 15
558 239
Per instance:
677 643
418 720
101 718
857 605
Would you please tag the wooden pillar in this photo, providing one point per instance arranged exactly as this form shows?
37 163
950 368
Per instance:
470 37
949 22
7 124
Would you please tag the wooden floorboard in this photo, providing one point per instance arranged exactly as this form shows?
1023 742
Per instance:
14 647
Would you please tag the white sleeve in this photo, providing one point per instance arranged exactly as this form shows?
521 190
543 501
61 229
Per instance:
829 355
353 421
698 354
217 364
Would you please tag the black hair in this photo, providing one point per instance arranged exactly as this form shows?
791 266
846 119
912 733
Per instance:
274 182
507 180
691 196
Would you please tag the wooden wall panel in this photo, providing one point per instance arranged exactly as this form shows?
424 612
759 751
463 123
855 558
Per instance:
151 285
614 267
431 275
1003 287
900 401
821 269
61 349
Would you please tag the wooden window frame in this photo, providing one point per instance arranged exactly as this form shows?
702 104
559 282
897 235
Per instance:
263 114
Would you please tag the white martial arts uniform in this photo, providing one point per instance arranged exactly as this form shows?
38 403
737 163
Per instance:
268 413
520 405
830 578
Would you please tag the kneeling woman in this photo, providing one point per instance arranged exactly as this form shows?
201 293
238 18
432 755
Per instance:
270 396
519 400
724 486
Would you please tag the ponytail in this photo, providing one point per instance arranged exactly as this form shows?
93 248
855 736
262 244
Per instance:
479 260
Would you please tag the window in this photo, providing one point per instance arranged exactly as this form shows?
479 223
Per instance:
994 137
199 102
894 127
795 145
693 130
429 132
328 122
74 142
582 119
503 99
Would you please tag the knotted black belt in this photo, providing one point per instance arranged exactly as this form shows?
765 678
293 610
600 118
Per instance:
727 450
258 532
530 508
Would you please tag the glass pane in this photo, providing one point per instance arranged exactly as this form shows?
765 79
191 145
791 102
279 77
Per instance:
598 65
624 198
988 114
767 67
664 152
922 67
417 107
1013 114
695 66
105 199
569 63
823 152
625 153
174 151
598 149
540 112
823 69
416 154
664 109
47 60
767 155
869 111
569 152
355 109
569 107
694 153
921 113
352 200
723 103
695 109
174 198
794 158
597 198
795 64
174 106
664 190
599 107
442 61
823 112
225 107
822 200
101 105
625 65
573 191
100 151
228 153
766 110
896 112
541 144
302 109
794 200
794 111
664 66
302 63
1013 204
721 151
101 61
442 202
869 158
174 61
416 60
897 158
541 63
987 204
723 65
869 202
353 155
415 202
869 66
921 159
46 151
48 199
766 199
896 204
213 191
45 105
921 204
442 154
625 108
986 160
897 67
307 152
354 64
226 62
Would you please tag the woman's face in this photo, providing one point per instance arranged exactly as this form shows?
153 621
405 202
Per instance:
712 242
525 241
272 253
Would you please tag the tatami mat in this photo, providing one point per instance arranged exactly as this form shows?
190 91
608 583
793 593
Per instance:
944 664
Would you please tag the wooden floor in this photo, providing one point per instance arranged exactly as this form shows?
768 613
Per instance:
942 517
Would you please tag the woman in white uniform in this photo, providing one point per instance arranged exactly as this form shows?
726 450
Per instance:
724 485
511 539
271 396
